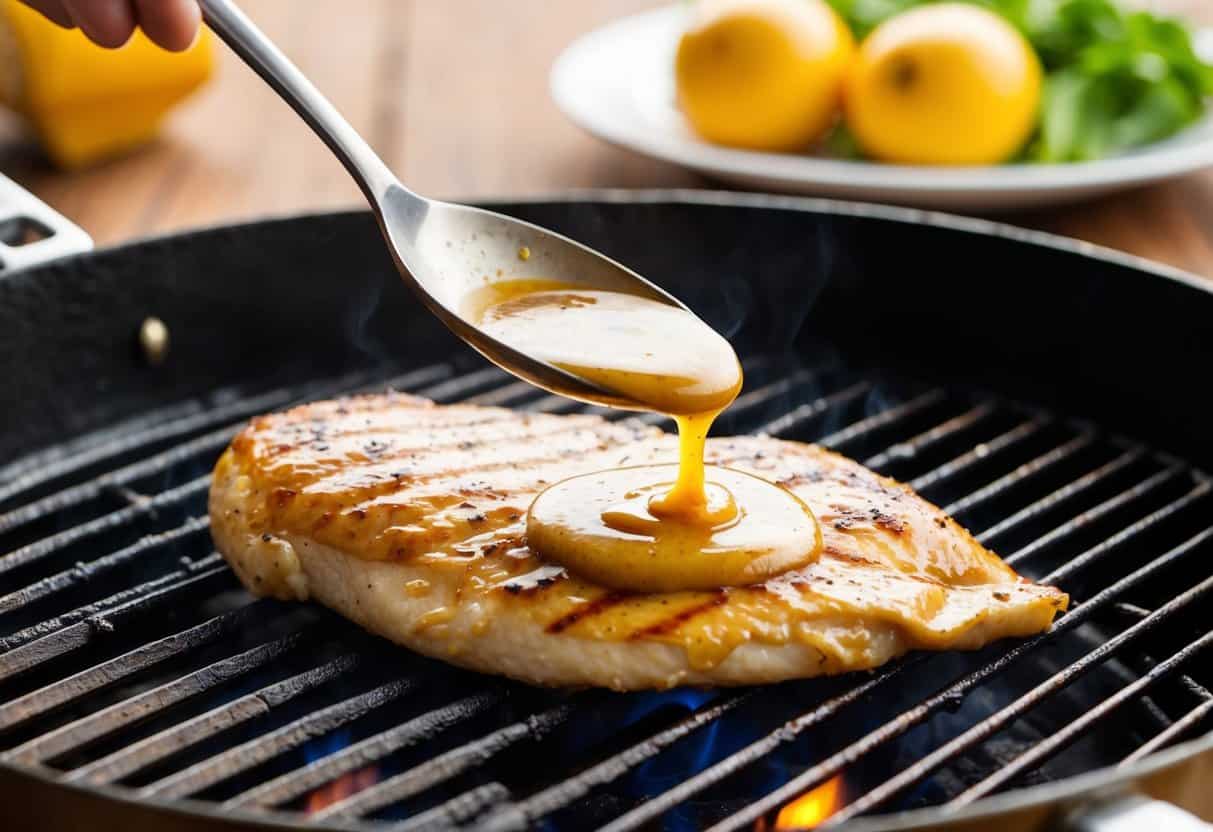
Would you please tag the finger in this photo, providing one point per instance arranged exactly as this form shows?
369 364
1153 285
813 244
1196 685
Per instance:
53 10
171 23
108 23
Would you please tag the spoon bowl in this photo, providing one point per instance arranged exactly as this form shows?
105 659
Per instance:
443 250
451 252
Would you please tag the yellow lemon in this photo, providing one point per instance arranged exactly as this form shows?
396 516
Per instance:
763 74
947 84
88 103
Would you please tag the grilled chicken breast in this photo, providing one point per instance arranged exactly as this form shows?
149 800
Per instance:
409 518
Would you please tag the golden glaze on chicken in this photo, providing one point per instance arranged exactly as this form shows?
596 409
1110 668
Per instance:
409 518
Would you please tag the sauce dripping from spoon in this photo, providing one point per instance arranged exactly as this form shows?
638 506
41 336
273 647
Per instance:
655 527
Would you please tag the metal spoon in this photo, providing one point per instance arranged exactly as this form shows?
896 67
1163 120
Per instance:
442 250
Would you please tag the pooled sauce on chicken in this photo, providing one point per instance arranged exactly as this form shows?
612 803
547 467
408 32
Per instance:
658 527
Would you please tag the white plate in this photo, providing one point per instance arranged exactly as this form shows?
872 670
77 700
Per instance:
617 82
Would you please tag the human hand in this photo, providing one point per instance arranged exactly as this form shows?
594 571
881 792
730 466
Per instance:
171 23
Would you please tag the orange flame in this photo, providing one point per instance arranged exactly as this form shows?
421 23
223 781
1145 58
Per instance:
812 807
341 788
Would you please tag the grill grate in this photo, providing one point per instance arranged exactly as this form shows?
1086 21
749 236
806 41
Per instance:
129 656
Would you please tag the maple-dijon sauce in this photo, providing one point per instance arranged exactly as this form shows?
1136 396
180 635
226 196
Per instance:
653 528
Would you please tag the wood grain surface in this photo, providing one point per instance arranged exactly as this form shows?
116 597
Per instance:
453 94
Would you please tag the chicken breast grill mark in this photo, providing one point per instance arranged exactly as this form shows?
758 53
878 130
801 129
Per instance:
409 518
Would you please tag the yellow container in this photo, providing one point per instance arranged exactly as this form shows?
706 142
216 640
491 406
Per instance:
86 102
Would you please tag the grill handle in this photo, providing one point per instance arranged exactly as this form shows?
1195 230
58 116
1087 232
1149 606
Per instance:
1134 813
33 233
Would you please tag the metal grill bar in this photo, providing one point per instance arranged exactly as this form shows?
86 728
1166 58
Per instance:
111 481
791 420
780 387
447 765
915 445
980 453
501 396
146 752
946 470
1080 562
407 381
121 518
153 434
1070 732
457 811
145 419
83 731
254 752
294 784
103 675
1029 469
83 572
1172 732
1103 509
465 385
1063 495
63 634
884 418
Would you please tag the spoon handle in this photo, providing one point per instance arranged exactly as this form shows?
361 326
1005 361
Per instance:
263 57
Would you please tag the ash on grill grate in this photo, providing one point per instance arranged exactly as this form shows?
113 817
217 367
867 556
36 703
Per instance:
129 656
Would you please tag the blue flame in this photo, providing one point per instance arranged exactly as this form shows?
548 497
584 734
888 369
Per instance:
645 704
690 754
326 745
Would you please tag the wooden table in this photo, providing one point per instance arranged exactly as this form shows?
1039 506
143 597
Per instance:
453 94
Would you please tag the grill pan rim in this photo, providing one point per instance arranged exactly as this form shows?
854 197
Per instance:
692 196
1056 794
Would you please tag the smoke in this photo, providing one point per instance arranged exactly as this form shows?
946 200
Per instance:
356 318
817 267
